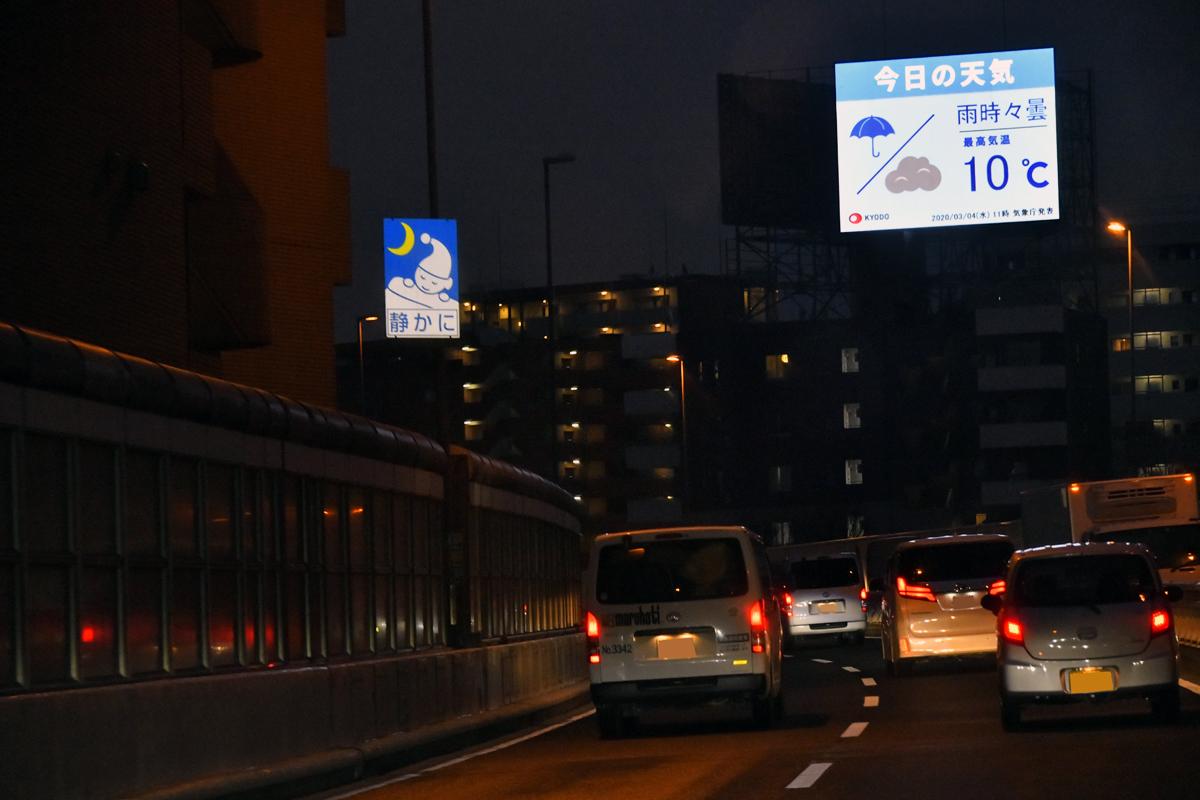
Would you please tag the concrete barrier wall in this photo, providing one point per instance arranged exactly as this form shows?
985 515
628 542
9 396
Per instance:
1187 618
117 741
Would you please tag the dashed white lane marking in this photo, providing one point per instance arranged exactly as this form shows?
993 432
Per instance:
871 701
811 774
1194 688
788 655
868 681
503 745
851 669
855 729
822 660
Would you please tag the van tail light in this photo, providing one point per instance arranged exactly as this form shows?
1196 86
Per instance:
862 598
758 628
1160 621
1012 630
915 591
997 587
593 638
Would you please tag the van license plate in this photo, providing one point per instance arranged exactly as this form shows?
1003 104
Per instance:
1089 681
681 647
828 607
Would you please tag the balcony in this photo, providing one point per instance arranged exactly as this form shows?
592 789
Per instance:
1019 379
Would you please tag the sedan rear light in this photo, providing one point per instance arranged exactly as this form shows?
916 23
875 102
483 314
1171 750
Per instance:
1160 621
1011 630
593 638
758 628
915 591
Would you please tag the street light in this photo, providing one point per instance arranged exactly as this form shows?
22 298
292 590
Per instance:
683 459
1118 228
362 370
547 162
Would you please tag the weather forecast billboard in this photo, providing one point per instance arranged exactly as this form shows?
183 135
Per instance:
949 140
420 273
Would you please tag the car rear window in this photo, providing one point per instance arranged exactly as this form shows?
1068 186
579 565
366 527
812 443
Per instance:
1082 581
1173 546
819 573
683 569
948 562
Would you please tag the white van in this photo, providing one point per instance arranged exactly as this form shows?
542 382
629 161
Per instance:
680 616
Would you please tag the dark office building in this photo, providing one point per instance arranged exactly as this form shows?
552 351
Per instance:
168 191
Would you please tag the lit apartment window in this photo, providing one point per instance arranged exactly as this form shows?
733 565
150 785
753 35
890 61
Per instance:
777 366
1168 427
853 471
1120 344
780 478
1147 341
849 359
850 418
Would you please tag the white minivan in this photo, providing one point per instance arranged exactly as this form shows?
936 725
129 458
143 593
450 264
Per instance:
678 616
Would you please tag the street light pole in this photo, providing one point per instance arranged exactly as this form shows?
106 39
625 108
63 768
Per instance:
362 370
683 446
547 162
1130 432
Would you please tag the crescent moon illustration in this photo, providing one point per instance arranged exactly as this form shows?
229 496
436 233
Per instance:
407 246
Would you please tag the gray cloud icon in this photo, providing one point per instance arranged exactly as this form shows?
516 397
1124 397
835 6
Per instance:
914 173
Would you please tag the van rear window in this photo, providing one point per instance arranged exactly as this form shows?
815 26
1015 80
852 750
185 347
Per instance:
660 571
1082 581
948 562
820 573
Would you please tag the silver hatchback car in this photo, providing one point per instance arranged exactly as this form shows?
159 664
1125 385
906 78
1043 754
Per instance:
1085 622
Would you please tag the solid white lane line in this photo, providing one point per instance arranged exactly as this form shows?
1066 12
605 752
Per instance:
822 660
509 743
851 669
811 774
871 701
1194 688
868 681
855 729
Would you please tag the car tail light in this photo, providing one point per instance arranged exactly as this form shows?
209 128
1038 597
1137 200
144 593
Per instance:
862 597
997 587
1160 621
758 628
593 638
915 591
1012 630
788 602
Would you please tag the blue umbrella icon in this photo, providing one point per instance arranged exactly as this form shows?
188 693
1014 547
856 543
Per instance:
872 127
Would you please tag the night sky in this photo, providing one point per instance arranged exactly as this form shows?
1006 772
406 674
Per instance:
629 87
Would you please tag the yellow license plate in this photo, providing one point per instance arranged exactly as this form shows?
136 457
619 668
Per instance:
829 607
683 647
1089 681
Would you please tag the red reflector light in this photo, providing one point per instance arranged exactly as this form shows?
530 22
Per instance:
1160 621
1012 631
915 591
997 587
87 635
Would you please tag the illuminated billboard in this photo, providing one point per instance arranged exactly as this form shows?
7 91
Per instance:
949 140
420 274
